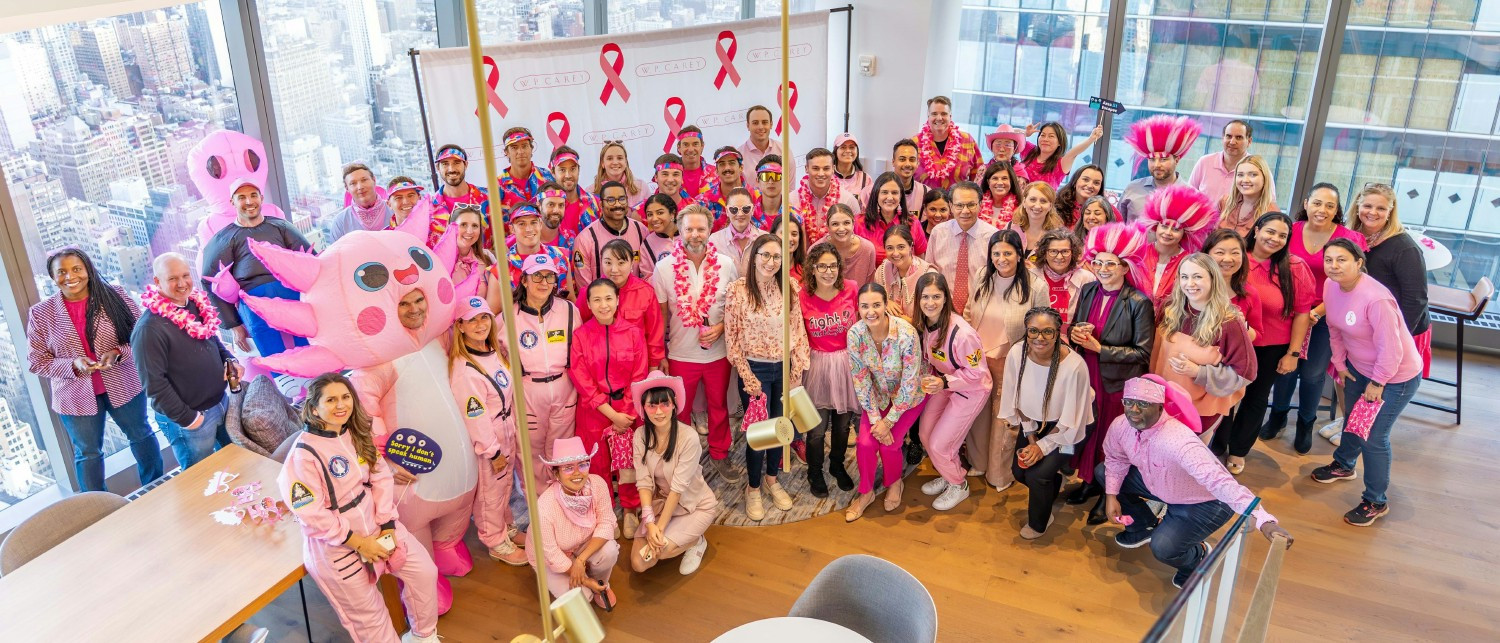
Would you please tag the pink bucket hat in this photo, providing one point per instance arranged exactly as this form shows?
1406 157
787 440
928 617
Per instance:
1005 131
656 379
568 451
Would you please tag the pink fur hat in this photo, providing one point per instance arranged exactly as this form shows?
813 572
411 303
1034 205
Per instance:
1163 135
1182 207
1124 240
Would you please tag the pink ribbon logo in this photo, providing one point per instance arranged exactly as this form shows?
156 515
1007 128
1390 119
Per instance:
674 122
613 83
558 135
726 59
493 80
791 109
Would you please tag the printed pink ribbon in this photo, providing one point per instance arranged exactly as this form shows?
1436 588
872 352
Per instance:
559 135
674 123
791 109
726 59
613 82
493 81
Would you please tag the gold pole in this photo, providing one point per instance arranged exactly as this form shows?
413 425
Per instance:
787 251
508 311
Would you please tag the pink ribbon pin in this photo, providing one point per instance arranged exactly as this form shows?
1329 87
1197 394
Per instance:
791 109
674 123
726 59
613 82
558 135
493 80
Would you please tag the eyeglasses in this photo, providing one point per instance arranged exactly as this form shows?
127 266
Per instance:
544 279
1100 264
1134 404
970 205
769 257
466 207
615 200
826 267
574 467
737 209
658 406
768 176
1059 252
1044 333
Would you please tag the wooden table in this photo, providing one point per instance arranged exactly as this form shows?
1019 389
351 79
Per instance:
160 568
790 629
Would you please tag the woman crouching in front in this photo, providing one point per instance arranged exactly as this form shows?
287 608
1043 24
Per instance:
677 506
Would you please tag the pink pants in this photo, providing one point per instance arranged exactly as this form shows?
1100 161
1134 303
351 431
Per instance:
550 410
715 379
492 503
439 527
598 567
355 596
892 457
946 420
592 426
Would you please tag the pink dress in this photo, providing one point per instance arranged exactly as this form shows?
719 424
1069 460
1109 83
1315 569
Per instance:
828 321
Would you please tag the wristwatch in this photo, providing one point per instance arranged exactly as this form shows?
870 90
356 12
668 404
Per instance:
1296 353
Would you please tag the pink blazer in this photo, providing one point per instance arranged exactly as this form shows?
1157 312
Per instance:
54 346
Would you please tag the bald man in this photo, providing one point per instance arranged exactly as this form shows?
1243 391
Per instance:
182 363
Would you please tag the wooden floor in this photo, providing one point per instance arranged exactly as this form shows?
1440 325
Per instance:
1429 570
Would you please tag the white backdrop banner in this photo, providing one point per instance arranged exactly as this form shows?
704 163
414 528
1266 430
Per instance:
640 88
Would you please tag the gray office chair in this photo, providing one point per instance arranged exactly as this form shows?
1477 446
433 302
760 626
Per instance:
873 597
54 524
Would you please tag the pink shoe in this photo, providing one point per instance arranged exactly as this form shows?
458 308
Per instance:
452 558
444 595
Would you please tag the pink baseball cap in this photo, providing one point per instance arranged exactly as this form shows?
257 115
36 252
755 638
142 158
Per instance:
242 182
474 307
537 263
844 138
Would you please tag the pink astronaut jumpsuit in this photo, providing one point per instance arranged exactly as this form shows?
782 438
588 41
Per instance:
958 358
546 338
606 361
588 250
638 306
335 493
485 398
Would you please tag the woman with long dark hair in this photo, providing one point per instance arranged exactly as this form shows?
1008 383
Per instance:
637 298
80 342
677 505
887 380
1050 159
343 494
1228 250
1095 211
957 389
829 303
1002 194
1282 284
1086 183
936 208
1053 410
886 209
661 220
856 253
799 244
466 223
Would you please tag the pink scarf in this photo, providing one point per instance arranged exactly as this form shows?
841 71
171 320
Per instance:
371 216
580 508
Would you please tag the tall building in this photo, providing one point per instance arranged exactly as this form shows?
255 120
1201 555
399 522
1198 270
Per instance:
41 205
350 129
201 39
24 69
21 459
85 160
303 80
162 51
97 50
366 45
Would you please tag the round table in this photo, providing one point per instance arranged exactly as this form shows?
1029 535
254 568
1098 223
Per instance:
791 629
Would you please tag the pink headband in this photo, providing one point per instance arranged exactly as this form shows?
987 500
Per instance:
451 153
728 154
669 166
564 158
516 137
768 167
683 135
1145 390
554 194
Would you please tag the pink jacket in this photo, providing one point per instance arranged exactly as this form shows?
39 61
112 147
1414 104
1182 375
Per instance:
54 345
310 483
486 402
561 539
958 357
606 361
588 250
638 306
546 337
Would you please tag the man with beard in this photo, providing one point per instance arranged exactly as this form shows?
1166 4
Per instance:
402 194
692 284
1162 140
947 154
904 158
760 144
527 226
229 250
521 181
366 210
588 248
695 174
668 179
728 175
1152 452
582 207
557 230
452 166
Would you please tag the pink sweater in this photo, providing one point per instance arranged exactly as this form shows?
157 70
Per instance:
1175 464
1367 332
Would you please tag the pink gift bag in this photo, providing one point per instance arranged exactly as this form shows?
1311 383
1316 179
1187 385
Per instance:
1362 417
757 411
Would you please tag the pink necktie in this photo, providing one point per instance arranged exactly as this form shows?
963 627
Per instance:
961 282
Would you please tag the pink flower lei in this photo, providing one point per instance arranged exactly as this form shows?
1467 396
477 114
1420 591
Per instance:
815 220
934 165
1003 216
694 312
158 303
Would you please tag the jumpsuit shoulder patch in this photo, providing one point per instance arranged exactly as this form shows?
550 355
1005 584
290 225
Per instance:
300 496
975 358
474 408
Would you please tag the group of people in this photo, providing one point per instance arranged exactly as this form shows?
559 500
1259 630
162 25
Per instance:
1158 326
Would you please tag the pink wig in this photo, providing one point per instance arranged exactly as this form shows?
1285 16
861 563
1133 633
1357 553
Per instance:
1180 206
1163 135
1127 241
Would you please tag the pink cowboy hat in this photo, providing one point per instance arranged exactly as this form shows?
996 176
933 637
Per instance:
568 451
1005 131
656 379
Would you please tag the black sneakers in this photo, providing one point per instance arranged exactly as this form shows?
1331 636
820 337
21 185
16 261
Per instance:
1333 472
1365 514
1133 539
1274 425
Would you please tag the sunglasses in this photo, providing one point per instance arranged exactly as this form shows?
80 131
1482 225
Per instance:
768 176
737 209
574 467
658 406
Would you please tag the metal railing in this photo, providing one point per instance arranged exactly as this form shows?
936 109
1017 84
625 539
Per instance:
1201 610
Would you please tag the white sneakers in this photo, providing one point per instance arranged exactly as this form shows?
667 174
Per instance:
779 496
632 523
693 557
935 486
507 552
954 494
755 506
411 637
1333 431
